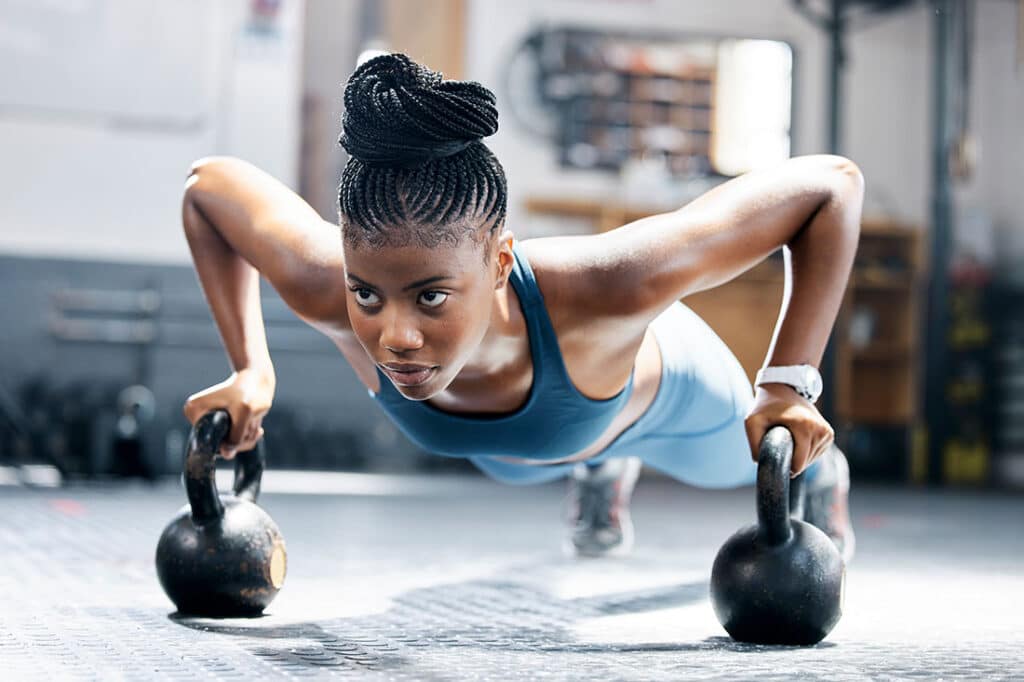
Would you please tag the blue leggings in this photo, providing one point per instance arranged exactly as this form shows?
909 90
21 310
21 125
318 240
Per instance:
693 430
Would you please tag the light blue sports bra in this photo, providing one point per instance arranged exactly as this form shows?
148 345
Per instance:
556 421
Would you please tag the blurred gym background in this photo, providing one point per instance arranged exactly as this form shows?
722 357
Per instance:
610 110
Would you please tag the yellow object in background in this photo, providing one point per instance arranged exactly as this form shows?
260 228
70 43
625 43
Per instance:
966 391
965 462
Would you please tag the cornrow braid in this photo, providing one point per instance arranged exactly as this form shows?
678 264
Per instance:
419 171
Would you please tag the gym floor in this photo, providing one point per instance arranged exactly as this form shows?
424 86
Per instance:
450 578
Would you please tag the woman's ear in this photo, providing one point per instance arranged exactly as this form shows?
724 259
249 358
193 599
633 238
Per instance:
505 258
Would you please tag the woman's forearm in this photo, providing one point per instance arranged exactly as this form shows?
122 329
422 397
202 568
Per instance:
820 259
230 284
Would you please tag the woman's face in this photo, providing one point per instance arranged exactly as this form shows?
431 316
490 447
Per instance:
420 313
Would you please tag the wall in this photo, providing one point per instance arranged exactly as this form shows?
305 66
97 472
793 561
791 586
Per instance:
886 118
996 113
316 389
111 101
330 48
92 192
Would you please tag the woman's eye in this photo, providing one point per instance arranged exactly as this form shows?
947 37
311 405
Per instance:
433 298
365 297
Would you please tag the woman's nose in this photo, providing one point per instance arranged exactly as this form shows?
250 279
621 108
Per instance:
401 335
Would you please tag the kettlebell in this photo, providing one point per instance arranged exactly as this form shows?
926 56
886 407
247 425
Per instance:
220 557
781 580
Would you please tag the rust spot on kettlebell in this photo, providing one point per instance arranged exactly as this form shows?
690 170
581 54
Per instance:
253 593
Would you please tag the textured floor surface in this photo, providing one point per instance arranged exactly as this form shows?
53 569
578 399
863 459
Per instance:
460 578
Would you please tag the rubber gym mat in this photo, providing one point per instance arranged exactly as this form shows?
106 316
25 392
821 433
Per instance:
468 582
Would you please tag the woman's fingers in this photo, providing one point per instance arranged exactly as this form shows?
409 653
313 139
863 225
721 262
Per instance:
809 442
822 442
778 405
803 450
253 433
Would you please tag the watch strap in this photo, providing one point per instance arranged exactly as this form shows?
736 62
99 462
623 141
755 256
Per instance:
794 376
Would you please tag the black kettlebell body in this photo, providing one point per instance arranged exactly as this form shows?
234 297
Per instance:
781 580
220 556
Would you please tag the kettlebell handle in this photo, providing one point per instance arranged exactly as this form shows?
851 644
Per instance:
200 473
775 507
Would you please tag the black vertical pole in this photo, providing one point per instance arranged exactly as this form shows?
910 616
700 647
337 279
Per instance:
369 24
938 307
836 62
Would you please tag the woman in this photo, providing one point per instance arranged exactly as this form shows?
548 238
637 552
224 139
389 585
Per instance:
535 359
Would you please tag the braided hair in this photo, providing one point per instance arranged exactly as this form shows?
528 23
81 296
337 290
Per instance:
418 172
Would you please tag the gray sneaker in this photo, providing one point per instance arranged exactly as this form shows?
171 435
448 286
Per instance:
599 522
826 504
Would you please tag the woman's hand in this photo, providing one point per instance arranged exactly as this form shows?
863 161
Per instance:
247 396
779 404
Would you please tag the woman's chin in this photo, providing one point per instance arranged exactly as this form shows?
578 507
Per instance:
422 391
415 392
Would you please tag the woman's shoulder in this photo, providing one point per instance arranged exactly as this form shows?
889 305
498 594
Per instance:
581 297
584 299
573 275
552 268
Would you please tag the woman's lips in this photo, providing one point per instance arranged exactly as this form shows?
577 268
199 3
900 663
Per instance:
409 378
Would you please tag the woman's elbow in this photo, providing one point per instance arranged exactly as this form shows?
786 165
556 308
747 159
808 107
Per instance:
847 186
842 175
210 167
850 175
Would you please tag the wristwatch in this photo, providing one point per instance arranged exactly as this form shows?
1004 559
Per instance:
804 378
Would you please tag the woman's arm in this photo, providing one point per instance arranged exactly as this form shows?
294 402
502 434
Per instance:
242 223
811 204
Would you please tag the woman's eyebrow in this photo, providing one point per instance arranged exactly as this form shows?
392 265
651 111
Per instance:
414 285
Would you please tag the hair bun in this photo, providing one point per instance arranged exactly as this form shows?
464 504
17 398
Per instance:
400 113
